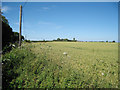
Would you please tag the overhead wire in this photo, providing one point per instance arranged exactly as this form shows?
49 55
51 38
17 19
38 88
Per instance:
25 3
24 32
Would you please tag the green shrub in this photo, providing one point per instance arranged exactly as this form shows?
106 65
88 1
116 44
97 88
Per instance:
11 62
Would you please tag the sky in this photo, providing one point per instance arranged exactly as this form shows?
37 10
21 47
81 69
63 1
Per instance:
86 21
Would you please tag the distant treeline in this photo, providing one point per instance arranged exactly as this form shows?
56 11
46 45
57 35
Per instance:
38 41
58 39
66 40
98 41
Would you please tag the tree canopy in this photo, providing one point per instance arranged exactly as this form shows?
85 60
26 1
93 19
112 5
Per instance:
8 36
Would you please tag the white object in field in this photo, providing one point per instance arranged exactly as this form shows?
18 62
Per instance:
65 53
13 45
102 73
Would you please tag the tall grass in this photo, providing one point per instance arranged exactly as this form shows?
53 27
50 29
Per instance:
43 65
11 61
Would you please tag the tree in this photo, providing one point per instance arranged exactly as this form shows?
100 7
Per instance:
4 20
8 36
58 39
73 39
65 39
113 41
16 37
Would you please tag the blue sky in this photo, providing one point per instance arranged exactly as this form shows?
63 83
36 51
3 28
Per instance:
83 20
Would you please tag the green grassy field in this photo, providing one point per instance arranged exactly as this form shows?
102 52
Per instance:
44 65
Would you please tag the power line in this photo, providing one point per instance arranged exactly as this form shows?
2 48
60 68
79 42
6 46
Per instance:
23 25
23 17
25 3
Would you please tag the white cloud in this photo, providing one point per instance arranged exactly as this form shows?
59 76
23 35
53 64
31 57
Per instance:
5 9
45 23
45 8
55 26
58 27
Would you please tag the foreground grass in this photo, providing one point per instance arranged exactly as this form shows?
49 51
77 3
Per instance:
43 65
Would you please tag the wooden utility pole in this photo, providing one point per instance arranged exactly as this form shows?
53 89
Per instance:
20 25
